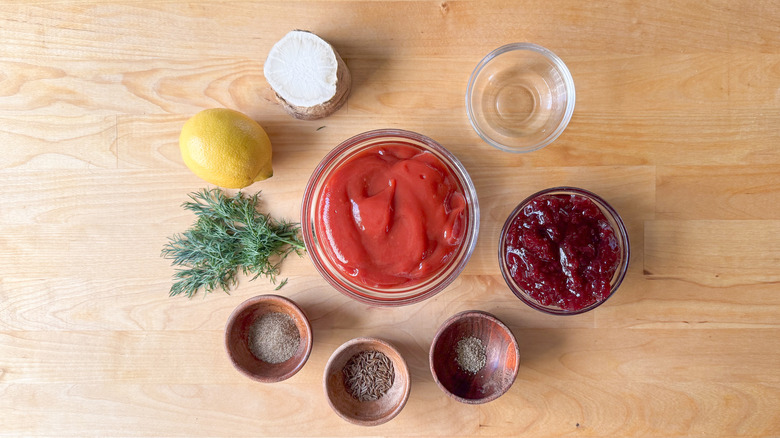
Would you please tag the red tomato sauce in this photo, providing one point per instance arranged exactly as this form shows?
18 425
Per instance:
391 216
562 250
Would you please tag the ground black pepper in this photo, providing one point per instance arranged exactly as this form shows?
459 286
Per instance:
274 337
471 355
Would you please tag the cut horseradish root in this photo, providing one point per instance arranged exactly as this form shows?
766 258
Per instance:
309 77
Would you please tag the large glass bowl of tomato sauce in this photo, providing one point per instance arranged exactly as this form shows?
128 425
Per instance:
564 251
390 217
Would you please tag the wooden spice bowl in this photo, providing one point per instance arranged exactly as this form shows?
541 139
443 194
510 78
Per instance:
502 358
237 342
366 413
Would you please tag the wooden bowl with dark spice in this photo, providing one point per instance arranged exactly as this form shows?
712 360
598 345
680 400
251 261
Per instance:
474 357
268 338
367 381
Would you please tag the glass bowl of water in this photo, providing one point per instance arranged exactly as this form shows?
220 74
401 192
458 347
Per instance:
520 97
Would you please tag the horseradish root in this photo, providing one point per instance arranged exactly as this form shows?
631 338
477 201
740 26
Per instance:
309 77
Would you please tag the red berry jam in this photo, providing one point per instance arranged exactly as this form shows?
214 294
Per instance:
562 251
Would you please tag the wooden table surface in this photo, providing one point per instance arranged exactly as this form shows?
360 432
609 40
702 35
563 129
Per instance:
677 124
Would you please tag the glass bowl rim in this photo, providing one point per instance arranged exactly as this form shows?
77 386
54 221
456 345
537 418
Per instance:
567 79
621 232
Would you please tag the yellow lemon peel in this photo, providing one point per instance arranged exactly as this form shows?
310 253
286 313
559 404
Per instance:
226 148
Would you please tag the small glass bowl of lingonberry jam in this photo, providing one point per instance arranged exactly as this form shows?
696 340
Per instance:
563 251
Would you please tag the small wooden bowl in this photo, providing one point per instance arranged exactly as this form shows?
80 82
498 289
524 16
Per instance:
502 354
366 413
237 338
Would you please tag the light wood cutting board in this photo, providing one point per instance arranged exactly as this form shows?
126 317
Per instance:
677 125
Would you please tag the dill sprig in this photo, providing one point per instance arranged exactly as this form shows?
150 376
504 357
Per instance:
229 234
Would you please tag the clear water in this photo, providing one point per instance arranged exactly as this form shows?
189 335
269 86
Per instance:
519 102
523 103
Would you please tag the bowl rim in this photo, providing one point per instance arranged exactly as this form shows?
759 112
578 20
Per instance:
369 342
621 232
464 252
567 79
481 314
307 336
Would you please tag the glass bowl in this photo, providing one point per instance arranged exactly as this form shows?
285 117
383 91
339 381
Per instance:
321 254
614 221
520 97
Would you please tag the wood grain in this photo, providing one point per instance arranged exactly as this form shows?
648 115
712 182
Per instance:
718 192
713 252
676 303
677 125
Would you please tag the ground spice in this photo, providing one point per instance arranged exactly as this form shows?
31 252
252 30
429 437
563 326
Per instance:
368 375
471 355
274 337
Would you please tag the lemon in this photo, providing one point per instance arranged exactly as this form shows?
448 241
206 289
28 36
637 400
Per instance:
226 148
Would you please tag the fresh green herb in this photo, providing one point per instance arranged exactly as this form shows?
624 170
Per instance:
228 235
